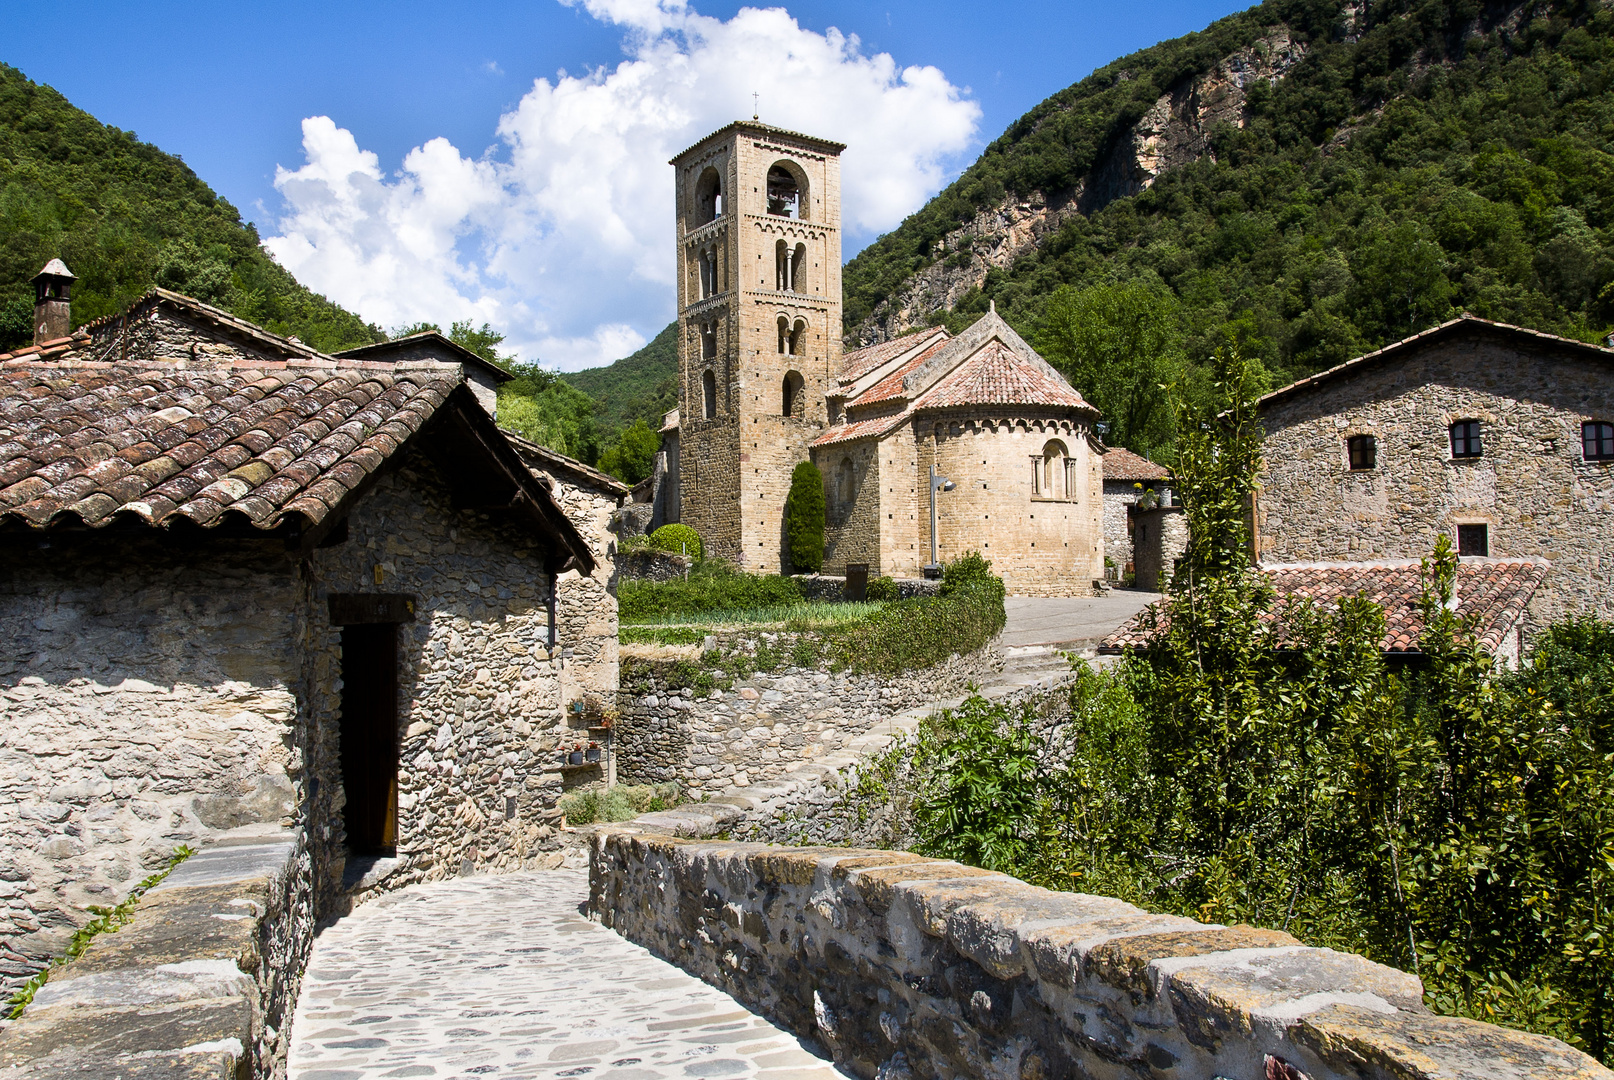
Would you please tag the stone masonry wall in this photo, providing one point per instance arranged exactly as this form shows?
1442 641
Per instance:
480 681
586 606
1531 486
149 693
201 982
1162 537
905 967
767 723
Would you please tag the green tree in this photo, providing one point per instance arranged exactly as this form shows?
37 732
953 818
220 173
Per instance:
633 456
1121 346
804 519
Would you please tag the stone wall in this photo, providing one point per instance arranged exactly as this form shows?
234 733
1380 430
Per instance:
1161 537
647 564
201 982
1531 487
150 690
905 967
766 724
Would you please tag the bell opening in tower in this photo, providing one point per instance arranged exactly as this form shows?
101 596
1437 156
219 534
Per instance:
784 193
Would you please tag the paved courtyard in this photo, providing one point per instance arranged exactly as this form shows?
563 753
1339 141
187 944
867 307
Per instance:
409 985
1036 620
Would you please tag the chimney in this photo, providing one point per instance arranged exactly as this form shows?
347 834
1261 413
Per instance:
53 307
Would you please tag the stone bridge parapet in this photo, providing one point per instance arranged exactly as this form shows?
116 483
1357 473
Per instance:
905 967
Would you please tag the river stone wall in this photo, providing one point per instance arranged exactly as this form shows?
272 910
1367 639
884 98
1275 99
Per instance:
765 725
905 968
201 982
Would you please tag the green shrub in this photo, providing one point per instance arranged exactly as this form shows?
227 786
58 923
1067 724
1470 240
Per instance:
679 539
882 588
804 519
620 803
642 601
908 635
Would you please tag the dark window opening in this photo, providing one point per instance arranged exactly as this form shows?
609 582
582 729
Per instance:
709 393
1364 452
369 734
1465 439
1473 540
795 400
708 197
784 194
708 341
1597 441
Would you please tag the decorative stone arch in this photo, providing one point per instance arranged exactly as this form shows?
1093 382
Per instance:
798 338
1051 471
709 394
784 334
787 192
798 269
708 196
793 395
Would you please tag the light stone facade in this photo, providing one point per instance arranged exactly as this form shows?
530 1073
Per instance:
749 322
1531 487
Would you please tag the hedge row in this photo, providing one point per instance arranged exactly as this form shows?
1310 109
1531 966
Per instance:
909 635
642 600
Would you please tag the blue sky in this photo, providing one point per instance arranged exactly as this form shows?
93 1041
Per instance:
446 182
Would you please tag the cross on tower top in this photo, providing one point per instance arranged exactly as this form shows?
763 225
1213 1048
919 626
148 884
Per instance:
756 108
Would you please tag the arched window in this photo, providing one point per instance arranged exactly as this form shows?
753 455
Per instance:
781 267
785 194
798 339
1052 484
798 269
708 341
708 196
784 335
708 271
794 399
709 393
845 482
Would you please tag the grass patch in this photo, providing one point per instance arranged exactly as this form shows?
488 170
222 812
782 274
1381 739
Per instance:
804 615
108 920
621 803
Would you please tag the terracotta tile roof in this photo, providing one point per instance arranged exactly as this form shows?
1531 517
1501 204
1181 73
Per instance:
855 365
545 459
890 388
862 429
1462 323
422 346
1122 464
1495 592
94 441
997 375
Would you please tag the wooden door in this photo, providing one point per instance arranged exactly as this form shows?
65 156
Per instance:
369 732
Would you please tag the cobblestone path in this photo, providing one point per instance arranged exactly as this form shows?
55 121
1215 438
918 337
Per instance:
501 977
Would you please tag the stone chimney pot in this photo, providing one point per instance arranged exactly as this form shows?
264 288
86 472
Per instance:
53 300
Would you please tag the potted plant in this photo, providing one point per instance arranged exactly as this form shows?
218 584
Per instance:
575 757
592 753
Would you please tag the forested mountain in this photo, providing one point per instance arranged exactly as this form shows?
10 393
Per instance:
125 216
1334 175
643 386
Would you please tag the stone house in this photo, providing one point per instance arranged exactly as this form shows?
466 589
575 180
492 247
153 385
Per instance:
1020 473
248 586
1127 476
1499 437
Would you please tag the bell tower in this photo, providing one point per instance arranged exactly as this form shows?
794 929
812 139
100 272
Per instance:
759 327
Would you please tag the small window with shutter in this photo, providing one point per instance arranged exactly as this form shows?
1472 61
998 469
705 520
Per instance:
1363 451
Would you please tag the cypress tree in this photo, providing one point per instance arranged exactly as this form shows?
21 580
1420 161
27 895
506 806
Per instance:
804 519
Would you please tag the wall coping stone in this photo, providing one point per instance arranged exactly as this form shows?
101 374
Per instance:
179 991
904 966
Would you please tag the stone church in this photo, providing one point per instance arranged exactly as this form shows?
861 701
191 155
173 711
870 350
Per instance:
980 420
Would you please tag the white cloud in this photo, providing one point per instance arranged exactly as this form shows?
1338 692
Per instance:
560 237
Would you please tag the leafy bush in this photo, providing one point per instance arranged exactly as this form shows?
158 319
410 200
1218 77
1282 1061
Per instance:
882 588
680 539
621 803
804 519
911 634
